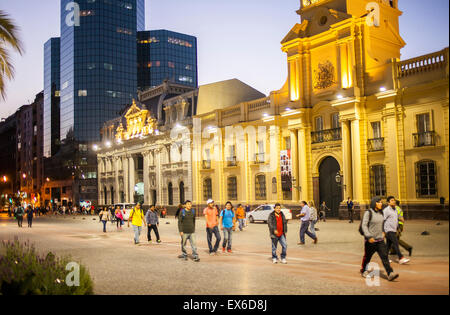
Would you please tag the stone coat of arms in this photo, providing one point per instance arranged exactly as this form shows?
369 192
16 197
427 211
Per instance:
324 76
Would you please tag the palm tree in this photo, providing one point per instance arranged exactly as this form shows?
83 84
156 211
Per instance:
8 39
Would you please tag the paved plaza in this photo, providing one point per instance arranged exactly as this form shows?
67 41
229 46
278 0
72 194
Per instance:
117 266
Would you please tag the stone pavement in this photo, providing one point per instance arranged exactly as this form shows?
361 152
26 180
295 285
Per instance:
117 266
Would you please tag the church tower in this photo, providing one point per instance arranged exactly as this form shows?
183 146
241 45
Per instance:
341 47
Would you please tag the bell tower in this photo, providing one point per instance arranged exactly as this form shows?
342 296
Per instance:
341 47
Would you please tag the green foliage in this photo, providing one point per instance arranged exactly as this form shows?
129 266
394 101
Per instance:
24 272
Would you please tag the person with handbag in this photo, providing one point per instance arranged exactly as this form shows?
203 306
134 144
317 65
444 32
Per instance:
119 218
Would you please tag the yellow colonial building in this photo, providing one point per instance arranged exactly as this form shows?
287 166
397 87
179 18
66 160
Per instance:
353 120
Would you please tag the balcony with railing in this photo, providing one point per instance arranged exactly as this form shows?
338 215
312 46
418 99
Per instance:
426 63
232 161
376 145
424 139
260 158
326 135
206 165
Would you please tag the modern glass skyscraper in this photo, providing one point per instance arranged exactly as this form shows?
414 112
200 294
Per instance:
164 54
98 63
51 96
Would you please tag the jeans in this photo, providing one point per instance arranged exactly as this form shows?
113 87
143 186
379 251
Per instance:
350 216
137 233
241 224
19 221
304 230
149 232
104 226
227 237
312 227
191 238
210 232
30 222
283 244
381 249
392 242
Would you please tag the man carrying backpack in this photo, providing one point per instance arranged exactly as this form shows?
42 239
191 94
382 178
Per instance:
372 228
186 227
20 212
138 221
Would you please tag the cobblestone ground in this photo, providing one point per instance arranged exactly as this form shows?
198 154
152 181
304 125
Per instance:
331 267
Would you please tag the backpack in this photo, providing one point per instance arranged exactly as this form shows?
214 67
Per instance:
183 213
370 219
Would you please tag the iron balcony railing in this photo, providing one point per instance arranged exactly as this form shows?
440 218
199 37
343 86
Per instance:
232 161
376 145
424 139
326 135
206 164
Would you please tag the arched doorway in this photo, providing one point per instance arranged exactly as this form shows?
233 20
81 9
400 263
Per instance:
182 196
330 192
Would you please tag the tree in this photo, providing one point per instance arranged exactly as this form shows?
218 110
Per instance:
9 39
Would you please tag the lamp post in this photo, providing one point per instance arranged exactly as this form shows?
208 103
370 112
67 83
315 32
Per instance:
339 181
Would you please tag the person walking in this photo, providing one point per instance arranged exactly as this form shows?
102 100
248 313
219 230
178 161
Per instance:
313 218
323 211
138 221
19 213
247 211
186 227
240 216
278 229
305 216
104 218
119 218
391 222
30 215
227 221
401 225
212 226
372 227
152 224
350 207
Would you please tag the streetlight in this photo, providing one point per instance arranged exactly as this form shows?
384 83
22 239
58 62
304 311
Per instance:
339 180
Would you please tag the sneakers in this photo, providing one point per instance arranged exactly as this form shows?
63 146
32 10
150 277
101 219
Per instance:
393 276
316 240
230 251
159 241
404 261
196 259
275 260
300 243
183 257
365 274
284 261
223 250
212 254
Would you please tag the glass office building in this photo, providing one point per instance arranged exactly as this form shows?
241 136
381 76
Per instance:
51 96
98 63
166 55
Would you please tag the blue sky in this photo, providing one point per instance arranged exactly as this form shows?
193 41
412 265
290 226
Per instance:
237 38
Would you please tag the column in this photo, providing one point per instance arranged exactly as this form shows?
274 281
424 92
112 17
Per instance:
295 164
147 197
116 180
126 178
132 178
347 158
305 167
356 163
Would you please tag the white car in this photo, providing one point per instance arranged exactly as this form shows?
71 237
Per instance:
128 207
262 213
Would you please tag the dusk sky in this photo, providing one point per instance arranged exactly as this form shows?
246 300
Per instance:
236 38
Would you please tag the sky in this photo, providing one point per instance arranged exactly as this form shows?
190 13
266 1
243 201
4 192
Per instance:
236 38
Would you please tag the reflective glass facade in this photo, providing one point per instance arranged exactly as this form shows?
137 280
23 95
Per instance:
51 96
98 64
162 55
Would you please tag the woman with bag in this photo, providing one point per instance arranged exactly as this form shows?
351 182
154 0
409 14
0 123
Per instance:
119 218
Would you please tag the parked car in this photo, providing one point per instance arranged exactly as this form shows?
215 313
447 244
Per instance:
262 213
128 207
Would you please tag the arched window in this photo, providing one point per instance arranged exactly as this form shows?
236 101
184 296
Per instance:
426 179
232 188
274 185
105 195
112 195
260 187
182 194
170 194
207 189
378 181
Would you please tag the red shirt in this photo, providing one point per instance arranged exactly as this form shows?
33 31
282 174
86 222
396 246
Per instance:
279 224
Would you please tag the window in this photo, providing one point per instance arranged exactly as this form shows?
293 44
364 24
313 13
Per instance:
171 64
319 123
108 66
335 121
376 129
207 189
274 185
423 123
82 93
232 188
170 194
426 179
378 181
260 187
